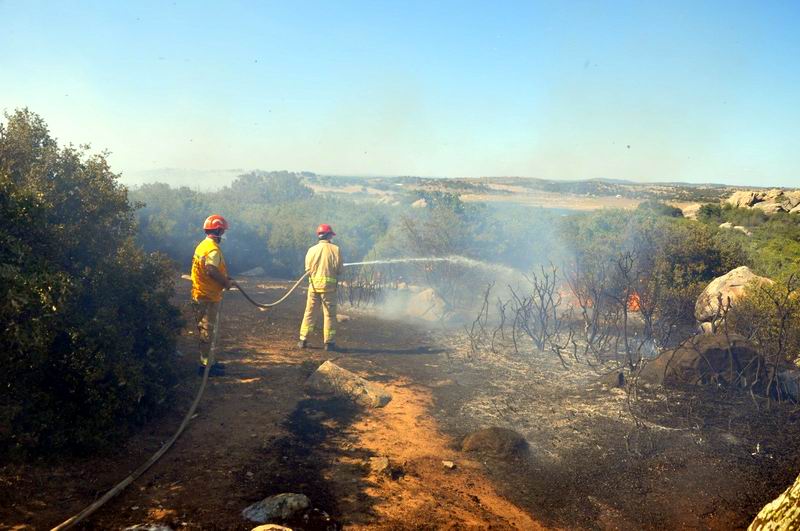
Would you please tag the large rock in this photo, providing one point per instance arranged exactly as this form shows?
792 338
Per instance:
746 198
770 201
279 507
501 442
770 208
730 286
782 513
788 199
426 305
705 359
791 199
330 378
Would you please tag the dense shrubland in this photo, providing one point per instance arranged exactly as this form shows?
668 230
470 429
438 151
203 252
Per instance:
273 216
773 248
87 342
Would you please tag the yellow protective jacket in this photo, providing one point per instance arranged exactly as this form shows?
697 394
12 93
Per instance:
205 288
324 264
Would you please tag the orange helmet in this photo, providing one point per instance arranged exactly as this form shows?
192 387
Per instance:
324 229
215 221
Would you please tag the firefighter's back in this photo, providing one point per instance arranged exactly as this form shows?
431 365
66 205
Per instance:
323 263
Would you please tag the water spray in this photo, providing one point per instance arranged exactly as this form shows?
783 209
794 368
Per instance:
460 260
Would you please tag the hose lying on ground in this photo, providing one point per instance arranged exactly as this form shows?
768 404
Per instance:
161 451
119 487
271 304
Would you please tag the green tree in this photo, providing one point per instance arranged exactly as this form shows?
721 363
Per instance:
658 208
88 330
269 187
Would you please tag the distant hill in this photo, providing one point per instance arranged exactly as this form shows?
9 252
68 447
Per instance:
210 180
204 180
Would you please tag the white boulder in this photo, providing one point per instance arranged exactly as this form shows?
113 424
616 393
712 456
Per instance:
730 287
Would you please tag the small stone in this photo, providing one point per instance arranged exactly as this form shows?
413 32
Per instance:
271 527
283 506
379 465
499 441
342 318
448 465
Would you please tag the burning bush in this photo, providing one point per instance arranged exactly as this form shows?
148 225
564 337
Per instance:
88 331
653 265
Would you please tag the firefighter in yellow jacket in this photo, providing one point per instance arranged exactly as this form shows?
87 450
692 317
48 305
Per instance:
209 279
323 264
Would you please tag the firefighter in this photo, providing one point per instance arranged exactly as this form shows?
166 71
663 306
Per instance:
323 264
209 279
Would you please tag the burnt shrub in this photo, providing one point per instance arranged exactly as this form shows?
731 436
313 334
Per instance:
88 332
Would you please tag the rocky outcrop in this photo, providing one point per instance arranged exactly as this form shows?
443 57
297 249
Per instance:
782 513
744 199
726 289
330 378
770 201
770 208
704 359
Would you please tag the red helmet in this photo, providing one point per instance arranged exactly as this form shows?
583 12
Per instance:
325 229
215 221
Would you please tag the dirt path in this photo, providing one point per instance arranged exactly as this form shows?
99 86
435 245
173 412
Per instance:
257 434
704 462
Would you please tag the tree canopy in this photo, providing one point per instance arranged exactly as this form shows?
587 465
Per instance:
87 336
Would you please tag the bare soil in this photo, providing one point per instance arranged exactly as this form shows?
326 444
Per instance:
596 461
554 200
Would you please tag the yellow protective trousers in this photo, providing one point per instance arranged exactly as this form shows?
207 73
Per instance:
328 301
205 315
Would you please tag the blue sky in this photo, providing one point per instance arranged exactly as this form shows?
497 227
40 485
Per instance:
652 91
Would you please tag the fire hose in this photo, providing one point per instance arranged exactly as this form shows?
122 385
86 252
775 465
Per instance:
271 304
119 487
